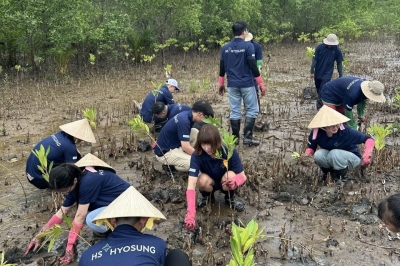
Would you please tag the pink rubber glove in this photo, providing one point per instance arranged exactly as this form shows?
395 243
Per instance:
190 221
235 181
309 151
367 155
35 242
221 87
260 83
73 235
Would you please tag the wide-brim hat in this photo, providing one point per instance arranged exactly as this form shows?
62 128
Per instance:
331 39
131 203
91 160
79 129
249 37
373 90
326 116
173 82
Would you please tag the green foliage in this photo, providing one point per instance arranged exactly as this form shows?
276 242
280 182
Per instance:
168 68
61 58
3 262
50 236
295 155
310 53
90 115
242 241
304 37
138 126
42 154
92 59
379 133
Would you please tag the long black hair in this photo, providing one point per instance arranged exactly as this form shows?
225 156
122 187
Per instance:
63 176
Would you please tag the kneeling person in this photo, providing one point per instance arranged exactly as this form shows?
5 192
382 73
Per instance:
210 174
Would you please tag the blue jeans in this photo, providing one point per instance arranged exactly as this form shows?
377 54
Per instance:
249 96
337 159
89 218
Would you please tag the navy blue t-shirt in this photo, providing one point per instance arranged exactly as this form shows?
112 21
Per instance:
235 55
214 167
326 58
126 246
99 189
346 139
175 130
162 95
62 150
345 91
174 109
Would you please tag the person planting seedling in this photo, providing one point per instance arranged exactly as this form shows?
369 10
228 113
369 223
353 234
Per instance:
214 165
338 151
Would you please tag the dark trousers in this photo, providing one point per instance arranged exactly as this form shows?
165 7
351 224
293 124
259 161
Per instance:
177 257
318 85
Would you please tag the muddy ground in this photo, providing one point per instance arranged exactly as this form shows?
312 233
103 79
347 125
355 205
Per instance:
306 222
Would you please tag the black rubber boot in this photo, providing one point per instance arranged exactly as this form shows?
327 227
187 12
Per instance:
232 202
235 125
248 139
207 197
325 172
340 176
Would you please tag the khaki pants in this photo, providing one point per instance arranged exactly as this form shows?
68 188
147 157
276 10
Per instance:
177 157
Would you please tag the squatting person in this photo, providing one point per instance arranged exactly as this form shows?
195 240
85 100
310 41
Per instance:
162 111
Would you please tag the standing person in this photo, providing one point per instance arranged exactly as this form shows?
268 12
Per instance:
323 61
166 111
91 183
164 94
176 139
259 57
209 173
389 212
338 151
62 149
343 93
128 216
238 62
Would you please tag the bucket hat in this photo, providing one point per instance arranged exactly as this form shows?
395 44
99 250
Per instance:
249 37
91 160
174 83
326 116
79 129
331 39
131 203
373 90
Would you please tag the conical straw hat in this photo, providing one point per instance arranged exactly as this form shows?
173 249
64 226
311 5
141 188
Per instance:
91 160
79 129
326 116
130 204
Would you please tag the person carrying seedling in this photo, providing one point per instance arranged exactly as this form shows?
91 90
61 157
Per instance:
176 139
343 93
166 111
389 212
91 183
208 171
239 64
164 94
338 150
128 216
323 61
62 149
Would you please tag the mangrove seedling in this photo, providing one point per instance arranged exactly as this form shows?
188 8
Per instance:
140 128
242 242
295 155
310 53
379 133
44 166
90 115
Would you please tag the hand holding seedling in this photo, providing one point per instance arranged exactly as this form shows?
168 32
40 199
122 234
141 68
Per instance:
367 155
235 181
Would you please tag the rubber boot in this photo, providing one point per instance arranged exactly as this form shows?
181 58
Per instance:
235 126
325 172
206 197
232 202
248 139
340 176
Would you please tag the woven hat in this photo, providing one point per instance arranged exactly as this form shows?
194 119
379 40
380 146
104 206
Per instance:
249 37
373 90
79 129
326 116
130 204
331 39
91 160
174 83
